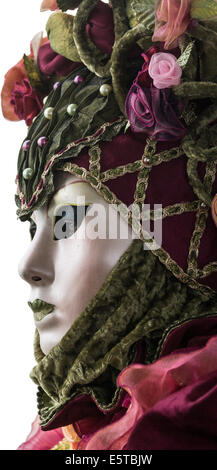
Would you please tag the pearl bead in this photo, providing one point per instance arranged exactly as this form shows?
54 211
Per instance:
105 89
42 141
55 86
78 79
48 113
71 109
27 173
45 99
26 145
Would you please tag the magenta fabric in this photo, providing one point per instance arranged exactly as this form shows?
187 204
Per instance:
51 63
39 440
185 420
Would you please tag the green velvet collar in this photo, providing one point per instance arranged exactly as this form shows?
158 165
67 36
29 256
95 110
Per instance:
139 298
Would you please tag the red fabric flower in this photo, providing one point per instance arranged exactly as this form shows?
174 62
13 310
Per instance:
15 82
26 101
152 112
15 75
143 77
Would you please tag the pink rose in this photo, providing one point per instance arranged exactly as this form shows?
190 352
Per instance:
165 70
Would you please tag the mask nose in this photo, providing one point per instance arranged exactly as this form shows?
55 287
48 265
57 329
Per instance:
36 267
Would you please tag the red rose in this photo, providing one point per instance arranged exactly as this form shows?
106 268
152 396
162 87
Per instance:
15 75
13 84
26 101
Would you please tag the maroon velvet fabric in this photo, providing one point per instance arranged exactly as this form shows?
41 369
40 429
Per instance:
168 184
192 334
51 63
100 27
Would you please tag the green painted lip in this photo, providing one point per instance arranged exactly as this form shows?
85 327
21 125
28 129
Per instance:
40 309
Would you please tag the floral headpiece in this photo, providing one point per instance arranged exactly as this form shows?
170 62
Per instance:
125 96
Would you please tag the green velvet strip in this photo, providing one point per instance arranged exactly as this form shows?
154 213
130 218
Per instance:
139 300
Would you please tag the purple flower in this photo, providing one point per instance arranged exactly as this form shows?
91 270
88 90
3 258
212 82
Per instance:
151 111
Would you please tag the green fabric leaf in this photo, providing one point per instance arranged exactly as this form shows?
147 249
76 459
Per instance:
127 127
188 61
203 9
32 72
141 11
60 33
68 4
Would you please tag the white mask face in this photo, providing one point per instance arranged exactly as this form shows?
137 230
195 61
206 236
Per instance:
67 260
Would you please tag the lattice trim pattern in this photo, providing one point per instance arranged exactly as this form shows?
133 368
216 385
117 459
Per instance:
97 180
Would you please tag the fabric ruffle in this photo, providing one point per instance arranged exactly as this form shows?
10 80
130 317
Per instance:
40 440
150 385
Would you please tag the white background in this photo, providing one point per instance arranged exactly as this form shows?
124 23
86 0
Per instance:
19 21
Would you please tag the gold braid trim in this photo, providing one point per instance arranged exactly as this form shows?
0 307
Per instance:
121 170
163 256
143 177
208 269
178 209
95 154
180 274
200 223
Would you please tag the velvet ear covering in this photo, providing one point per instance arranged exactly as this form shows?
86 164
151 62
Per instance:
139 300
